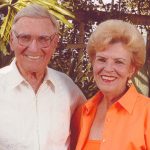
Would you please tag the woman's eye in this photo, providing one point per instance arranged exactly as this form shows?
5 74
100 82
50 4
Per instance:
118 62
101 59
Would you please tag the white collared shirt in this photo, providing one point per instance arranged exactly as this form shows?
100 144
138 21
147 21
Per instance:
40 121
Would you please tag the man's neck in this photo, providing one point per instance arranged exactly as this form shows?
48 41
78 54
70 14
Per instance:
35 80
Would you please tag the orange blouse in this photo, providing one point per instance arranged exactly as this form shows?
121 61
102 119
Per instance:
92 145
126 126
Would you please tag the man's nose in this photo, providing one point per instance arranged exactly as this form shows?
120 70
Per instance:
33 46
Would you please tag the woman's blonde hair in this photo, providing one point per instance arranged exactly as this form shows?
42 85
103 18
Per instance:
112 31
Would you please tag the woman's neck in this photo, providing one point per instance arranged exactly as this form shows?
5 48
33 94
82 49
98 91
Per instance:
111 98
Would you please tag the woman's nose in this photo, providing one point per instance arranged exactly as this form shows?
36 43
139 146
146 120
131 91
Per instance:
109 67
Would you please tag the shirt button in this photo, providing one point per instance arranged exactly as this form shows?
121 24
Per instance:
103 140
108 120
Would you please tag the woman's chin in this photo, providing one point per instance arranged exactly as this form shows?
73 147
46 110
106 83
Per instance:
108 88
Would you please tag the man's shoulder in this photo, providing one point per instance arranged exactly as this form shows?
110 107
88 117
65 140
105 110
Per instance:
63 81
59 76
51 70
65 85
5 75
5 70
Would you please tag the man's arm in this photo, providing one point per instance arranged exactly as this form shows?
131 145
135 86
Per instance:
75 127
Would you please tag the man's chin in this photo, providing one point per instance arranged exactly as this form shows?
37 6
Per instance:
35 70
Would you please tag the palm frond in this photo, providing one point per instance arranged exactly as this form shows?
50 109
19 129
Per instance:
52 5
62 18
5 29
57 8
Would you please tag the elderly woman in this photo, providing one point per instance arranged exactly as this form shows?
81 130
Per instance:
117 117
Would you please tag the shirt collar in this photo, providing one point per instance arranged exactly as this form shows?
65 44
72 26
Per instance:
51 78
128 100
14 78
93 102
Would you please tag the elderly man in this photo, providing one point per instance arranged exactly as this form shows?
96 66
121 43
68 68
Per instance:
36 102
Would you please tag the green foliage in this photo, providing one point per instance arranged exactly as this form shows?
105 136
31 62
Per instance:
73 60
139 6
53 6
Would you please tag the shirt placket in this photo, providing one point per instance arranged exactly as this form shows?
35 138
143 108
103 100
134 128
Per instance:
108 123
38 115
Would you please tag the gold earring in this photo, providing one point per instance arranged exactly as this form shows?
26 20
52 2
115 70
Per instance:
129 82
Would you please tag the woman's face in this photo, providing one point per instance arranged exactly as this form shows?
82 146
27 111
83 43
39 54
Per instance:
112 68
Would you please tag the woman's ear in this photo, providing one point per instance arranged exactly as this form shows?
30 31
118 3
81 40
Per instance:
132 71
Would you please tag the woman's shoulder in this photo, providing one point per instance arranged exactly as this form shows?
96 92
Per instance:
144 99
137 99
142 104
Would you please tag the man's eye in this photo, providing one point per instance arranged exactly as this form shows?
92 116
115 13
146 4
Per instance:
43 39
24 38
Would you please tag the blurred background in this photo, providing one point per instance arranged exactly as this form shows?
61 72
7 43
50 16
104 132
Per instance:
78 19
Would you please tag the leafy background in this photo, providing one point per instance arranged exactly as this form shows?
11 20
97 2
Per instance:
78 19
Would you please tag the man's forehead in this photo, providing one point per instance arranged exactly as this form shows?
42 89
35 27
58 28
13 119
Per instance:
33 20
27 23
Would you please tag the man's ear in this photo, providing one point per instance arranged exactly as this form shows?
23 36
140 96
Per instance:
11 41
56 40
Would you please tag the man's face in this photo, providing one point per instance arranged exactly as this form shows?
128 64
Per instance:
28 43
